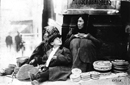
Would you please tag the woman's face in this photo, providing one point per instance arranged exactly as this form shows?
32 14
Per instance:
80 23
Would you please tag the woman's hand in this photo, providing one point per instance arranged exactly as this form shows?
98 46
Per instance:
76 35
82 35
87 35
54 57
79 35
32 61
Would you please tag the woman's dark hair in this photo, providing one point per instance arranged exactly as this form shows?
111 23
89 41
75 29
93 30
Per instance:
85 19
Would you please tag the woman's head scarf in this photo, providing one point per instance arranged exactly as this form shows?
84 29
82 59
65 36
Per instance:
51 30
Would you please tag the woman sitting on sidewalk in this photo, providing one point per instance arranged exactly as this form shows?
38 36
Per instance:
82 44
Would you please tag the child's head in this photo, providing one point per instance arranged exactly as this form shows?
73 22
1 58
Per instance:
55 40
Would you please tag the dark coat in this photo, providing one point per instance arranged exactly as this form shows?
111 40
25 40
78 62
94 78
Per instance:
60 68
9 40
38 53
18 39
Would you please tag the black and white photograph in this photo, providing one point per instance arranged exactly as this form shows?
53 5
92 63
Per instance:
64 42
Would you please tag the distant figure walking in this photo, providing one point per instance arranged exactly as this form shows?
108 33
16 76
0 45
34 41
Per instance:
18 41
22 45
9 41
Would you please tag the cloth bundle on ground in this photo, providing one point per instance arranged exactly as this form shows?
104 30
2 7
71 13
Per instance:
24 70
9 70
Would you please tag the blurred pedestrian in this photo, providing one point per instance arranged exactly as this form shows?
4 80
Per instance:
22 45
18 41
9 41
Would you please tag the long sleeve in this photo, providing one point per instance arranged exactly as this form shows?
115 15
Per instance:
69 37
68 40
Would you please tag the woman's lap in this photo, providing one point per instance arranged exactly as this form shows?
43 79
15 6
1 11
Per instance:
83 52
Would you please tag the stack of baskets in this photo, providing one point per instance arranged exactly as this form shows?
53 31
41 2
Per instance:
120 66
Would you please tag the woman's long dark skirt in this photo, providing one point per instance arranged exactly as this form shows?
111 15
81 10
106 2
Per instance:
84 54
